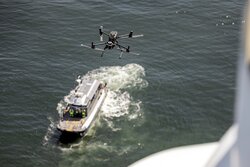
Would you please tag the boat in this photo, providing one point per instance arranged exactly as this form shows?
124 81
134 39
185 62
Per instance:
82 106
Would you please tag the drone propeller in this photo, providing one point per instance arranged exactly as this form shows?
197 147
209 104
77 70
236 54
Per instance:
101 33
92 47
133 53
126 50
130 35
136 36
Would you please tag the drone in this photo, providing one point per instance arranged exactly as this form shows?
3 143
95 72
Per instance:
112 42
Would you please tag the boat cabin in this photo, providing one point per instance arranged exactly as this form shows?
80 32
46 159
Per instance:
81 99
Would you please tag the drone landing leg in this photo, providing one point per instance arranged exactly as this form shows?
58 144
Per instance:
102 54
106 47
121 55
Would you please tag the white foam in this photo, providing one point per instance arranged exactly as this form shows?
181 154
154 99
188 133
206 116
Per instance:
120 77
50 131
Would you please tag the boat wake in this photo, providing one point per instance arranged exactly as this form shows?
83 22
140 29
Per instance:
50 132
121 80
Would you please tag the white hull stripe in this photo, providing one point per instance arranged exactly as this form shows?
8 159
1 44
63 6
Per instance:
94 112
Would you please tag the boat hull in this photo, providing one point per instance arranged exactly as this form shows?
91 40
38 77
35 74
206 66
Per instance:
89 120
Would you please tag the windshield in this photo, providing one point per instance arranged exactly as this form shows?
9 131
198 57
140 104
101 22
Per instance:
76 111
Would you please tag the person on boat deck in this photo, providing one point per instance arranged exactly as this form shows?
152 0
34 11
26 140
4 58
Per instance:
71 112
83 114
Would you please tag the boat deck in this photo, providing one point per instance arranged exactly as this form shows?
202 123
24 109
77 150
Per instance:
67 117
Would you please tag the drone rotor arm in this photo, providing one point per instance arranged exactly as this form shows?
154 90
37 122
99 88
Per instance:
102 43
123 36
121 47
105 33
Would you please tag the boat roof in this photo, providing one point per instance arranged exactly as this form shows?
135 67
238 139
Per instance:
83 93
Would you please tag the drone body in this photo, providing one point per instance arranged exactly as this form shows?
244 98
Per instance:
112 42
